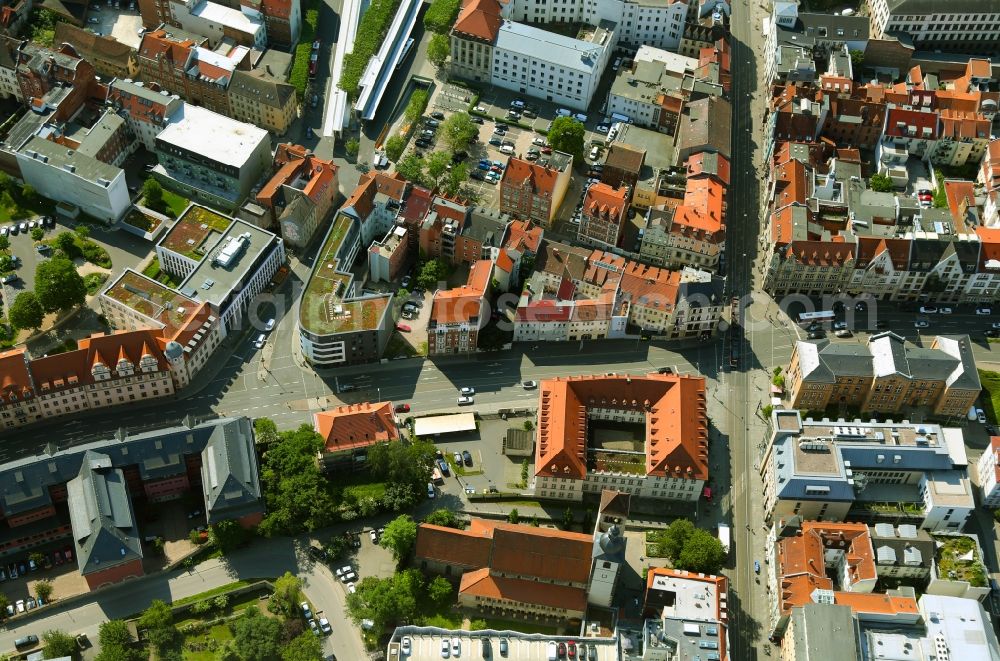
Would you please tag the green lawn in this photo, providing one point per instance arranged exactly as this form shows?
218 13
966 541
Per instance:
175 203
360 491
991 400
213 638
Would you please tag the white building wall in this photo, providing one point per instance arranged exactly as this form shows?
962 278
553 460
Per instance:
258 281
175 263
986 468
108 203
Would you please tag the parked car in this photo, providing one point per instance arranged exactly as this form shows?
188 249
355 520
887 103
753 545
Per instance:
839 325
403 327
437 115
467 458
981 416
984 310
312 67
495 141
815 335
928 309
402 408
920 323
476 120
324 626
346 569
404 645
944 310
464 400
529 385
843 333
468 391
477 175
430 490
313 626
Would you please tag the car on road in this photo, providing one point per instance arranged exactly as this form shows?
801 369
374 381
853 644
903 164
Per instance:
430 490
260 341
269 325
468 391
467 458
373 534
465 400
312 67
316 552
839 325
984 310
517 103
861 306
920 323
928 309
995 324
843 332
944 310
324 626
992 332
403 327
756 566
9 279
529 385
26 641
981 416
402 408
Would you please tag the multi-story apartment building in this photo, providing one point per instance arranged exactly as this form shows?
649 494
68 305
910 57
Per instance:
220 261
179 63
964 26
107 487
472 38
145 108
570 460
300 193
988 469
651 92
242 24
461 234
283 19
111 58
210 157
457 314
604 214
262 100
818 469
59 76
886 376
685 609
535 190
902 551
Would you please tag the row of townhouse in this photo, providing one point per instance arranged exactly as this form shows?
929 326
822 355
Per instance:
249 22
577 294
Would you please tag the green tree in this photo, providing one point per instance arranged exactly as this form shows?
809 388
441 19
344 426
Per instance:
437 167
431 273
402 464
394 147
4 243
7 201
66 242
568 519
298 496
702 552
411 168
351 147
43 590
152 194
114 632
28 192
59 644
416 106
857 59
228 535
6 183
82 231
880 183
337 548
457 176
457 130
265 432
287 593
4 601
441 15
399 537
671 540
37 233
26 312
566 135
439 591
446 518
304 647
438 50
513 516
158 622
387 600
255 636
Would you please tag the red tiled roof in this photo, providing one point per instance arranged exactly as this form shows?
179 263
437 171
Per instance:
73 368
603 201
989 251
465 303
362 200
464 548
821 253
504 262
917 119
356 425
480 19
544 311
695 167
523 235
676 425
542 180
14 376
483 584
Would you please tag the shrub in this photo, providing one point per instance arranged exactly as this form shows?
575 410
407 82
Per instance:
416 105
370 33
441 15
394 147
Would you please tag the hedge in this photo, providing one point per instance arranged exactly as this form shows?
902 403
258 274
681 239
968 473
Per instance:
371 32
299 75
441 15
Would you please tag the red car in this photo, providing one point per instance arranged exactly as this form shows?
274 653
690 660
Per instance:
68 553
402 408
546 150
312 68
403 327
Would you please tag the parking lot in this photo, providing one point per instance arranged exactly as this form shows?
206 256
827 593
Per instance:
490 468
120 20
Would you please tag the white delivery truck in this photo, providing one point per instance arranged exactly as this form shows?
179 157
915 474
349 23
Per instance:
724 535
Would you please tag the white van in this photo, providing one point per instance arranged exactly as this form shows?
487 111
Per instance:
506 149
562 112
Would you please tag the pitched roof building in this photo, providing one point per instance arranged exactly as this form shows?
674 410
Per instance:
535 190
668 459
348 431
110 57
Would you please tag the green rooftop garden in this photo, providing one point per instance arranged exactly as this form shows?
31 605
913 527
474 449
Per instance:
191 229
958 559
148 297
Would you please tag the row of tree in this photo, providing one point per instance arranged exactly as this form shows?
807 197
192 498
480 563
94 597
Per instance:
58 288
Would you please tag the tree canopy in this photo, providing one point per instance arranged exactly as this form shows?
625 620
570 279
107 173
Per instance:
446 518
438 49
690 548
880 183
298 496
566 135
304 647
59 644
158 622
255 636
58 285
441 15
457 130
387 601
432 272
116 642
26 311
408 464
287 592
399 537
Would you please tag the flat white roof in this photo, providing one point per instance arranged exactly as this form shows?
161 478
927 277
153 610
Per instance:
444 424
212 135
231 18
693 599
540 44
672 61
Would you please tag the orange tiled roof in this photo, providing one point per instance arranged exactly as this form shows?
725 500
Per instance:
790 185
676 426
980 68
523 235
695 167
356 425
464 548
603 201
73 368
156 43
480 19
362 199
15 380
989 250
820 253
483 584
542 180
465 303
504 262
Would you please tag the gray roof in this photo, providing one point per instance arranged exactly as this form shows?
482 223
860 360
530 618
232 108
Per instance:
260 87
229 472
812 24
548 46
485 225
824 632
59 156
100 510
964 376
705 126
904 545
935 6
25 483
